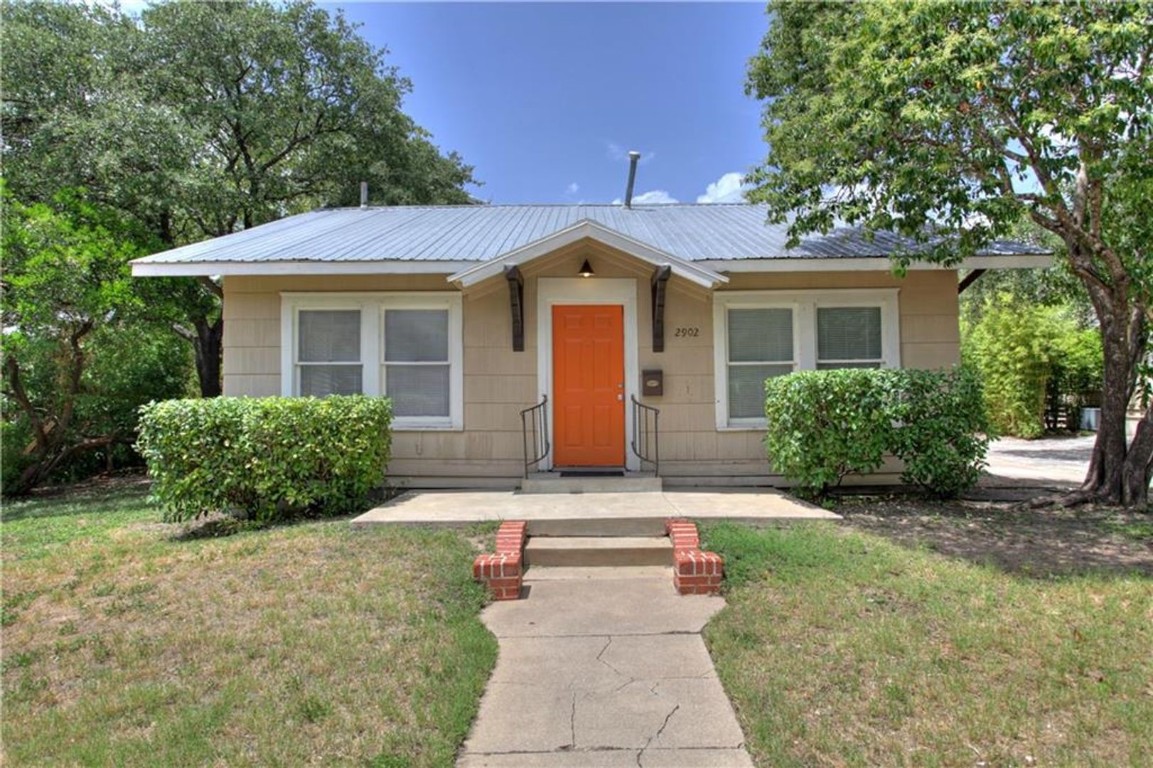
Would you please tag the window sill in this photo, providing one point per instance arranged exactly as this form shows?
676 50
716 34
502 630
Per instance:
408 427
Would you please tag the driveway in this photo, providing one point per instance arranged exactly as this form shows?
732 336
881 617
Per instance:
1059 462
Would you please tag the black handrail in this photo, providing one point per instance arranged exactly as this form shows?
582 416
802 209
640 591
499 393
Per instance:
534 423
646 434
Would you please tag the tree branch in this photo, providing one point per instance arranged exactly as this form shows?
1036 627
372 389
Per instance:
184 333
213 287
16 387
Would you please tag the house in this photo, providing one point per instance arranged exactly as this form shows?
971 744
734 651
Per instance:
467 316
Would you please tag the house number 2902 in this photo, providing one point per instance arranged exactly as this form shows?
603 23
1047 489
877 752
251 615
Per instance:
691 331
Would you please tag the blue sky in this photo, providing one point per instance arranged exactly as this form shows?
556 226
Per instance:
545 99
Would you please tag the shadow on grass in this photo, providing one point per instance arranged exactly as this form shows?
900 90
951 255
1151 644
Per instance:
89 498
1040 544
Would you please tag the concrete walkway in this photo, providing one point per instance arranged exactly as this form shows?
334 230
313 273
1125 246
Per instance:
758 505
603 667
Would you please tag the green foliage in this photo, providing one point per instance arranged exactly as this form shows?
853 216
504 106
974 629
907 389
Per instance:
79 358
824 425
940 429
263 458
15 436
1077 365
1029 353
951 122
196 120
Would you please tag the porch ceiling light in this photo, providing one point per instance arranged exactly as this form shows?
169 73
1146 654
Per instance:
586 269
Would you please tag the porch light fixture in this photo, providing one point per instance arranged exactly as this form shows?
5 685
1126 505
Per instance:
586 269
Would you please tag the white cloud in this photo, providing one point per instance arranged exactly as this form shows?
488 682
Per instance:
729 188
654 197
572 188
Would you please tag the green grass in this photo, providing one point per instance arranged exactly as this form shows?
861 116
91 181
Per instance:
312 643
842 649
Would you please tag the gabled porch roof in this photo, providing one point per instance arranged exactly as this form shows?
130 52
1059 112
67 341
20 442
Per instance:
591 230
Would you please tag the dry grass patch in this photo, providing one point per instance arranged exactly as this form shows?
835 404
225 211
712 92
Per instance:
842 649
309 644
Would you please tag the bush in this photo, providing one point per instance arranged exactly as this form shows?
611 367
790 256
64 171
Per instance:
940 428
824 425
1027 354
264 458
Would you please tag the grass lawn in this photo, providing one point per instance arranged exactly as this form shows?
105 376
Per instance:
124 644
840 648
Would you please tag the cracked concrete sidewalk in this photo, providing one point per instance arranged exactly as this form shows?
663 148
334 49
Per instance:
603 670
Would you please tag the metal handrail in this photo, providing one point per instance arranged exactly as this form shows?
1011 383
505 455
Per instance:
537 436
646 434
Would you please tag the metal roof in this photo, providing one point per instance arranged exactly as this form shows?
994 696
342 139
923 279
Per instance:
478 233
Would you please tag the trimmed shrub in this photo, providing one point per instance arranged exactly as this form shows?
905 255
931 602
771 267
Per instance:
824 425
940 430
261 458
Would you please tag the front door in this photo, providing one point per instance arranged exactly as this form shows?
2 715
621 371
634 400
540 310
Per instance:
588 385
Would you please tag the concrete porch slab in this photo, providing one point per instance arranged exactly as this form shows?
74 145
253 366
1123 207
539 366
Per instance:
449 508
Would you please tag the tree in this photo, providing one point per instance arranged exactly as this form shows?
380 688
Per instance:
75 368
201 119
949 122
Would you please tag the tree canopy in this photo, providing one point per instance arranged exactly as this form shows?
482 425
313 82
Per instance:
960 119
195 120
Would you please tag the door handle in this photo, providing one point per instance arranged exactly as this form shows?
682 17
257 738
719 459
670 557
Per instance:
620 397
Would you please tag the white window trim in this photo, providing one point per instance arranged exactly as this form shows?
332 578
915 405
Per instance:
804 304
579 290
372 307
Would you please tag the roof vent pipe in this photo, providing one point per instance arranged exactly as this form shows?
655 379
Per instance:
634 156
364 194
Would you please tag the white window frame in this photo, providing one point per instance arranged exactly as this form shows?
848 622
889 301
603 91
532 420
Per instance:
804 304
372 307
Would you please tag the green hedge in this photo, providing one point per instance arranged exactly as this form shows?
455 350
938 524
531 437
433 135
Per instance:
261 458
940 428
825 425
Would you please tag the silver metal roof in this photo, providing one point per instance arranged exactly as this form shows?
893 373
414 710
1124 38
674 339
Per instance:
717 232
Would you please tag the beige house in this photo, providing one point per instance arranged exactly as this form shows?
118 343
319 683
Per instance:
600 316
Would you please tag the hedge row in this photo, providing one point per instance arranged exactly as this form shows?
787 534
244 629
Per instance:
825 425
260 458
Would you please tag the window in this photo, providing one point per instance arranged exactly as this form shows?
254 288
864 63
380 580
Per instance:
416 363
760 346
405 346
849 337
759 334
328 353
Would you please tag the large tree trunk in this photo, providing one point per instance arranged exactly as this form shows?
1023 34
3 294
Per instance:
1138 469
1119 472
209 346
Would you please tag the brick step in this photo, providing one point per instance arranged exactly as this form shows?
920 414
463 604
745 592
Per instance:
598 551
606 526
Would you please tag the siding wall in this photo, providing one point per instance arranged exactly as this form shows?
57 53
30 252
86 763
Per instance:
499 382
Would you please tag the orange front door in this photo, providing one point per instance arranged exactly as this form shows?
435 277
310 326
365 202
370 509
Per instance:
588 386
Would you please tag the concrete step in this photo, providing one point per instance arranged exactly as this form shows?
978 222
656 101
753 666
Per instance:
603 573
552 482
598 551
594 526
